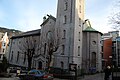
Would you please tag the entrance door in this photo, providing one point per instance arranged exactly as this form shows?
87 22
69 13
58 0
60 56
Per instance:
39 65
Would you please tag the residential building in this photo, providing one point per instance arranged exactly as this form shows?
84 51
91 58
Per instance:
3 45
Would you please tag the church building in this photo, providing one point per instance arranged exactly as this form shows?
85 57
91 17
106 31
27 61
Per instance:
78 42
68 39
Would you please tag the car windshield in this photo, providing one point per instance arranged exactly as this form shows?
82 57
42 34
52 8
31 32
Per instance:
36 72
41 72
31 72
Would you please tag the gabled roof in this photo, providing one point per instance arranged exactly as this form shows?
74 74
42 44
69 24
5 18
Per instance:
49 17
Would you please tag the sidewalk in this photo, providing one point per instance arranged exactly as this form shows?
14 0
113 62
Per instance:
99 76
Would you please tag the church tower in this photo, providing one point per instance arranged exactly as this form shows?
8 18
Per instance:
69 26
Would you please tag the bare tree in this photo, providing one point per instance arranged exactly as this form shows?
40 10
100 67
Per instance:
115 17
29 47
115 21
53 45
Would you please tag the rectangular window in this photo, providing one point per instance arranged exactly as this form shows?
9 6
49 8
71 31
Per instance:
79 36
63 50
78 50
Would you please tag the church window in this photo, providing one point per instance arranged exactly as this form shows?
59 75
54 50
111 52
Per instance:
93 59
65 6
79 36
94 42
65 19
17 56
63 49
64 34
62 64
49 35
24 58
11 57
45 48
78 50
80 22
80 8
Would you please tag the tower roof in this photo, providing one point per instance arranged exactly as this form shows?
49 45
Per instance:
90 29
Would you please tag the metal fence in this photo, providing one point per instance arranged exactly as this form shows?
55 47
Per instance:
116 73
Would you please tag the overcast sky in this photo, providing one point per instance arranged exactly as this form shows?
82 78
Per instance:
26 15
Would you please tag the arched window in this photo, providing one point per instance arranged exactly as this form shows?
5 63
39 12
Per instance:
45 48
17 56
79 36
78 50
64 34
62 64
11 57
93 59
63 49
24 58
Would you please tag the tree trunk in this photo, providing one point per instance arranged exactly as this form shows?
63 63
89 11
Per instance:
29 63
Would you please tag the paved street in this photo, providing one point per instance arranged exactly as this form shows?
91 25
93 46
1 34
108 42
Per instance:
99 76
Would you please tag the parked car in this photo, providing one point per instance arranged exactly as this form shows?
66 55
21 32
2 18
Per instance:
36 75
59 72
14 69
